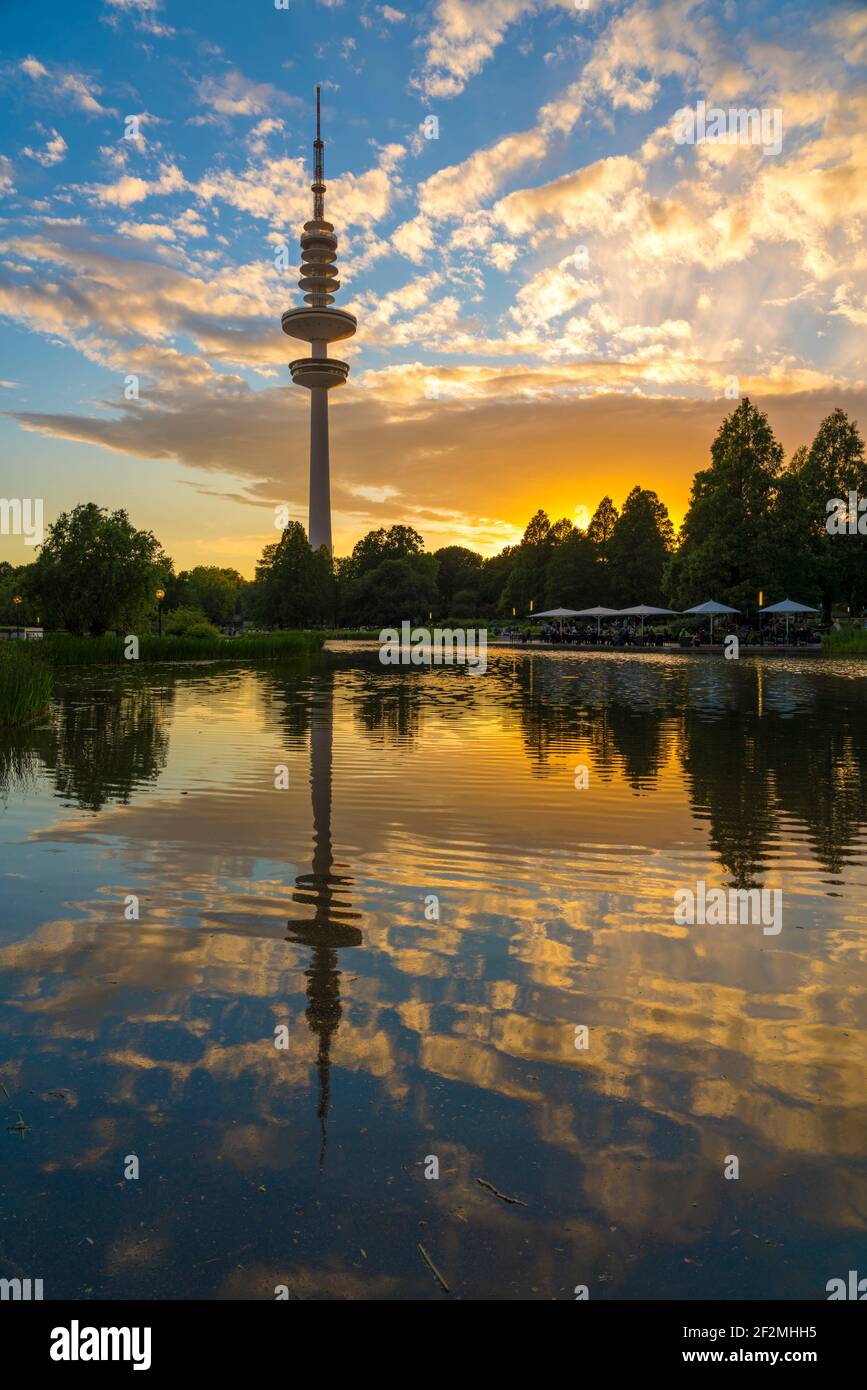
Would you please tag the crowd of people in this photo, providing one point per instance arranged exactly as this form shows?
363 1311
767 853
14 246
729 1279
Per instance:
610 635
628 634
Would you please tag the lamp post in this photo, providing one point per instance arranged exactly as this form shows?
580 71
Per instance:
17 601
160 595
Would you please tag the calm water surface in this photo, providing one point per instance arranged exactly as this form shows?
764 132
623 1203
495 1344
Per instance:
310 909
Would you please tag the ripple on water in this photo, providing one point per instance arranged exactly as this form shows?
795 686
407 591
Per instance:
460 872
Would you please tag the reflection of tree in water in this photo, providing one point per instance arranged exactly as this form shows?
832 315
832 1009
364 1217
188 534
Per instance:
818 762
635 742
532 695
105 742
756 743
20 764
792 750
824 786
287 693
561 706
330 927
731 787
389 701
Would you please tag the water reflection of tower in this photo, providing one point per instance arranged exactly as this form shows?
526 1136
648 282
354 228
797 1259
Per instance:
330 928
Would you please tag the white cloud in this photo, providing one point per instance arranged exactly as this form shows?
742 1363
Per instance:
33 68
414 239
53 152
553 292
143 13
464 34
233 94
278 190
591 198
257 138
82 91
129 189
147 231
190 224
453 191
375 494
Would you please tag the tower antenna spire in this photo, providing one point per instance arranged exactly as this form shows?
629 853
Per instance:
318 185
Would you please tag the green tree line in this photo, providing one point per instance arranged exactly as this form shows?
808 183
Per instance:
754 522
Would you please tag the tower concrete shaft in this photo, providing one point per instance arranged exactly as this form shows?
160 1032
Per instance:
319 528
319 324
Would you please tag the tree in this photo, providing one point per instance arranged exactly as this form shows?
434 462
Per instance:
460 571
600 531
217 591
526 581
396 591
95 571
572 573
793 556
382 558
494 578
727 533
640 543
465 604
560 531
189 622
15 581
396 543
294 585
833 467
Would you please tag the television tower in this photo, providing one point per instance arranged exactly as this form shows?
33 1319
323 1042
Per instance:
319 325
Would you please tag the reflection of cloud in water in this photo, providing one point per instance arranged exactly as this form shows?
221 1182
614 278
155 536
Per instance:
457 1036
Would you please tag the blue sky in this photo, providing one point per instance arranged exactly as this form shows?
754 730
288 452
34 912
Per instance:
554 295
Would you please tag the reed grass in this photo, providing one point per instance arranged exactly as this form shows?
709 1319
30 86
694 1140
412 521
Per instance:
64 649
849 641
25 683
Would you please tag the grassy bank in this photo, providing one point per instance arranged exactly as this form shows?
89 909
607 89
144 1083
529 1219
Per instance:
348 634
25 683
849 641
62 649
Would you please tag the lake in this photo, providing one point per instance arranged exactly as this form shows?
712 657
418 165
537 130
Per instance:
394 922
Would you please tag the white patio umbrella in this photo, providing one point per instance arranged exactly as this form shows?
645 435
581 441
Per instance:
560 613
787 606
711 607
556 613
597 613
644 610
